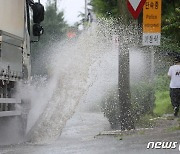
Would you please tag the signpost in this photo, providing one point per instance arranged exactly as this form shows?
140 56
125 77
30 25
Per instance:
151 36
152 22
135 7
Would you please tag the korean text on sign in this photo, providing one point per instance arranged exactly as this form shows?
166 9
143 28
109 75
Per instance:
152 22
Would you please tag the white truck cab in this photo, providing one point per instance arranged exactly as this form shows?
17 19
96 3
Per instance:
15 39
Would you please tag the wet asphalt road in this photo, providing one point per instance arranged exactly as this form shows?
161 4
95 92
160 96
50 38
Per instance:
80 136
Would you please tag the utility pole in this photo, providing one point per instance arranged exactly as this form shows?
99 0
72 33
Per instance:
55 4
85 9
125 117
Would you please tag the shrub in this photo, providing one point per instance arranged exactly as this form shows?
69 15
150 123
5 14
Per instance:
142 99
110 108
162 83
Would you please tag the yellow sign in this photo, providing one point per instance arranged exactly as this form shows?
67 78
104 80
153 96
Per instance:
152 16
152 22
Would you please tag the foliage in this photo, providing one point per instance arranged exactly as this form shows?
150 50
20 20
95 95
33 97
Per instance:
170 19
53 24
145 121
146 100
110 108
162 60
105 8
162 83
54 30
142 99
174 128
83 19
162 103
171 23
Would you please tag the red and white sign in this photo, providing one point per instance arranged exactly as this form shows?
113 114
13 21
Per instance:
135 7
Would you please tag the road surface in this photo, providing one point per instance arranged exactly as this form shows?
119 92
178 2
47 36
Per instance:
80 136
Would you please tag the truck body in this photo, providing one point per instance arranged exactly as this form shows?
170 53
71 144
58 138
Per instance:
15 63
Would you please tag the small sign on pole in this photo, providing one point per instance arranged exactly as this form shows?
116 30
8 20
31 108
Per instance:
152 22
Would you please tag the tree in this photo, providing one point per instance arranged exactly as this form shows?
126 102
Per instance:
170 18
171 23
54 23
106 8
54 30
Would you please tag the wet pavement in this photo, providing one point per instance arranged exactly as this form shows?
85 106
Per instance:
80 136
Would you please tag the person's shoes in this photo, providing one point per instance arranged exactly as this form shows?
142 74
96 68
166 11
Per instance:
176 109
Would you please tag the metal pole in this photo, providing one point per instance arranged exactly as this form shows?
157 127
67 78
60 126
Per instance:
152 74
152 64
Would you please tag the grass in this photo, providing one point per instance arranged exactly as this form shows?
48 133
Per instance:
145 122
172 129
162 106
162 103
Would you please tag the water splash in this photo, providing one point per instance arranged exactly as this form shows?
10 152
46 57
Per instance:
83 69
54 99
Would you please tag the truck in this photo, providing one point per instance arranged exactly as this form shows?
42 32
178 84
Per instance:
19 21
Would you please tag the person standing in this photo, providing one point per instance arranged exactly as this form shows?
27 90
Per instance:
174 74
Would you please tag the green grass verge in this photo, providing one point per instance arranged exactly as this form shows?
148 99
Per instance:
172 129
145 122
162 103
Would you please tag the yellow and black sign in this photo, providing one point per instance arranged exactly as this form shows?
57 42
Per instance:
152 22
